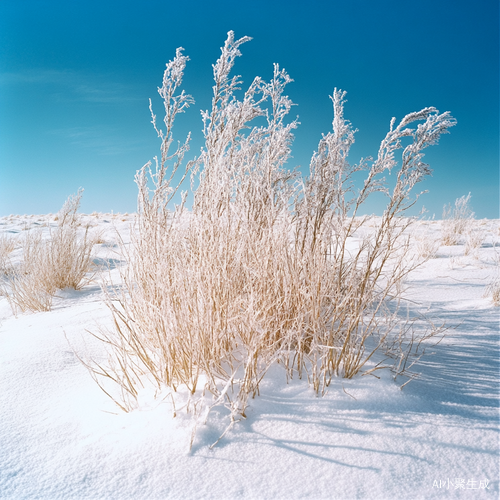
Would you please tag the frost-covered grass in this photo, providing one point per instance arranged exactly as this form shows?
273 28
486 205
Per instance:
458 222
51 260
264 268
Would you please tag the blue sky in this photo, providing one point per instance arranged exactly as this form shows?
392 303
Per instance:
75 79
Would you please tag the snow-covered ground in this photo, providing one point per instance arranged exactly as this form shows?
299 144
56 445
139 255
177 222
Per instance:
61 437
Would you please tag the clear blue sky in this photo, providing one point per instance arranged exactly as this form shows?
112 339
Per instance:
75 78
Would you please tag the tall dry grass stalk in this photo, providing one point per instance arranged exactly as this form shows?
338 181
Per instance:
62 260
262 270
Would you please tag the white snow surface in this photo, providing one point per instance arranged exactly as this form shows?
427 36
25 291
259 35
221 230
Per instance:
61 437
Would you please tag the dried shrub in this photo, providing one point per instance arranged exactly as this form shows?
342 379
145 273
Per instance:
261 270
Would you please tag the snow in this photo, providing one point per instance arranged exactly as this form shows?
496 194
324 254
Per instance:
61 437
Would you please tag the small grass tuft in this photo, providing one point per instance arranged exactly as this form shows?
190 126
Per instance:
61 260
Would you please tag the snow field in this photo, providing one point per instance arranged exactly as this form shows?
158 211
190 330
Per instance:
61 437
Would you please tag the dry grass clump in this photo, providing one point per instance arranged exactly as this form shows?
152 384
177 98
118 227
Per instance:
493 291
459 226
457 222
262 269
426 246
7 245
63 260
99 240
474 239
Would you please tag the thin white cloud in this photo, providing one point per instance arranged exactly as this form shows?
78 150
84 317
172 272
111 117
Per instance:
105 141
72 85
